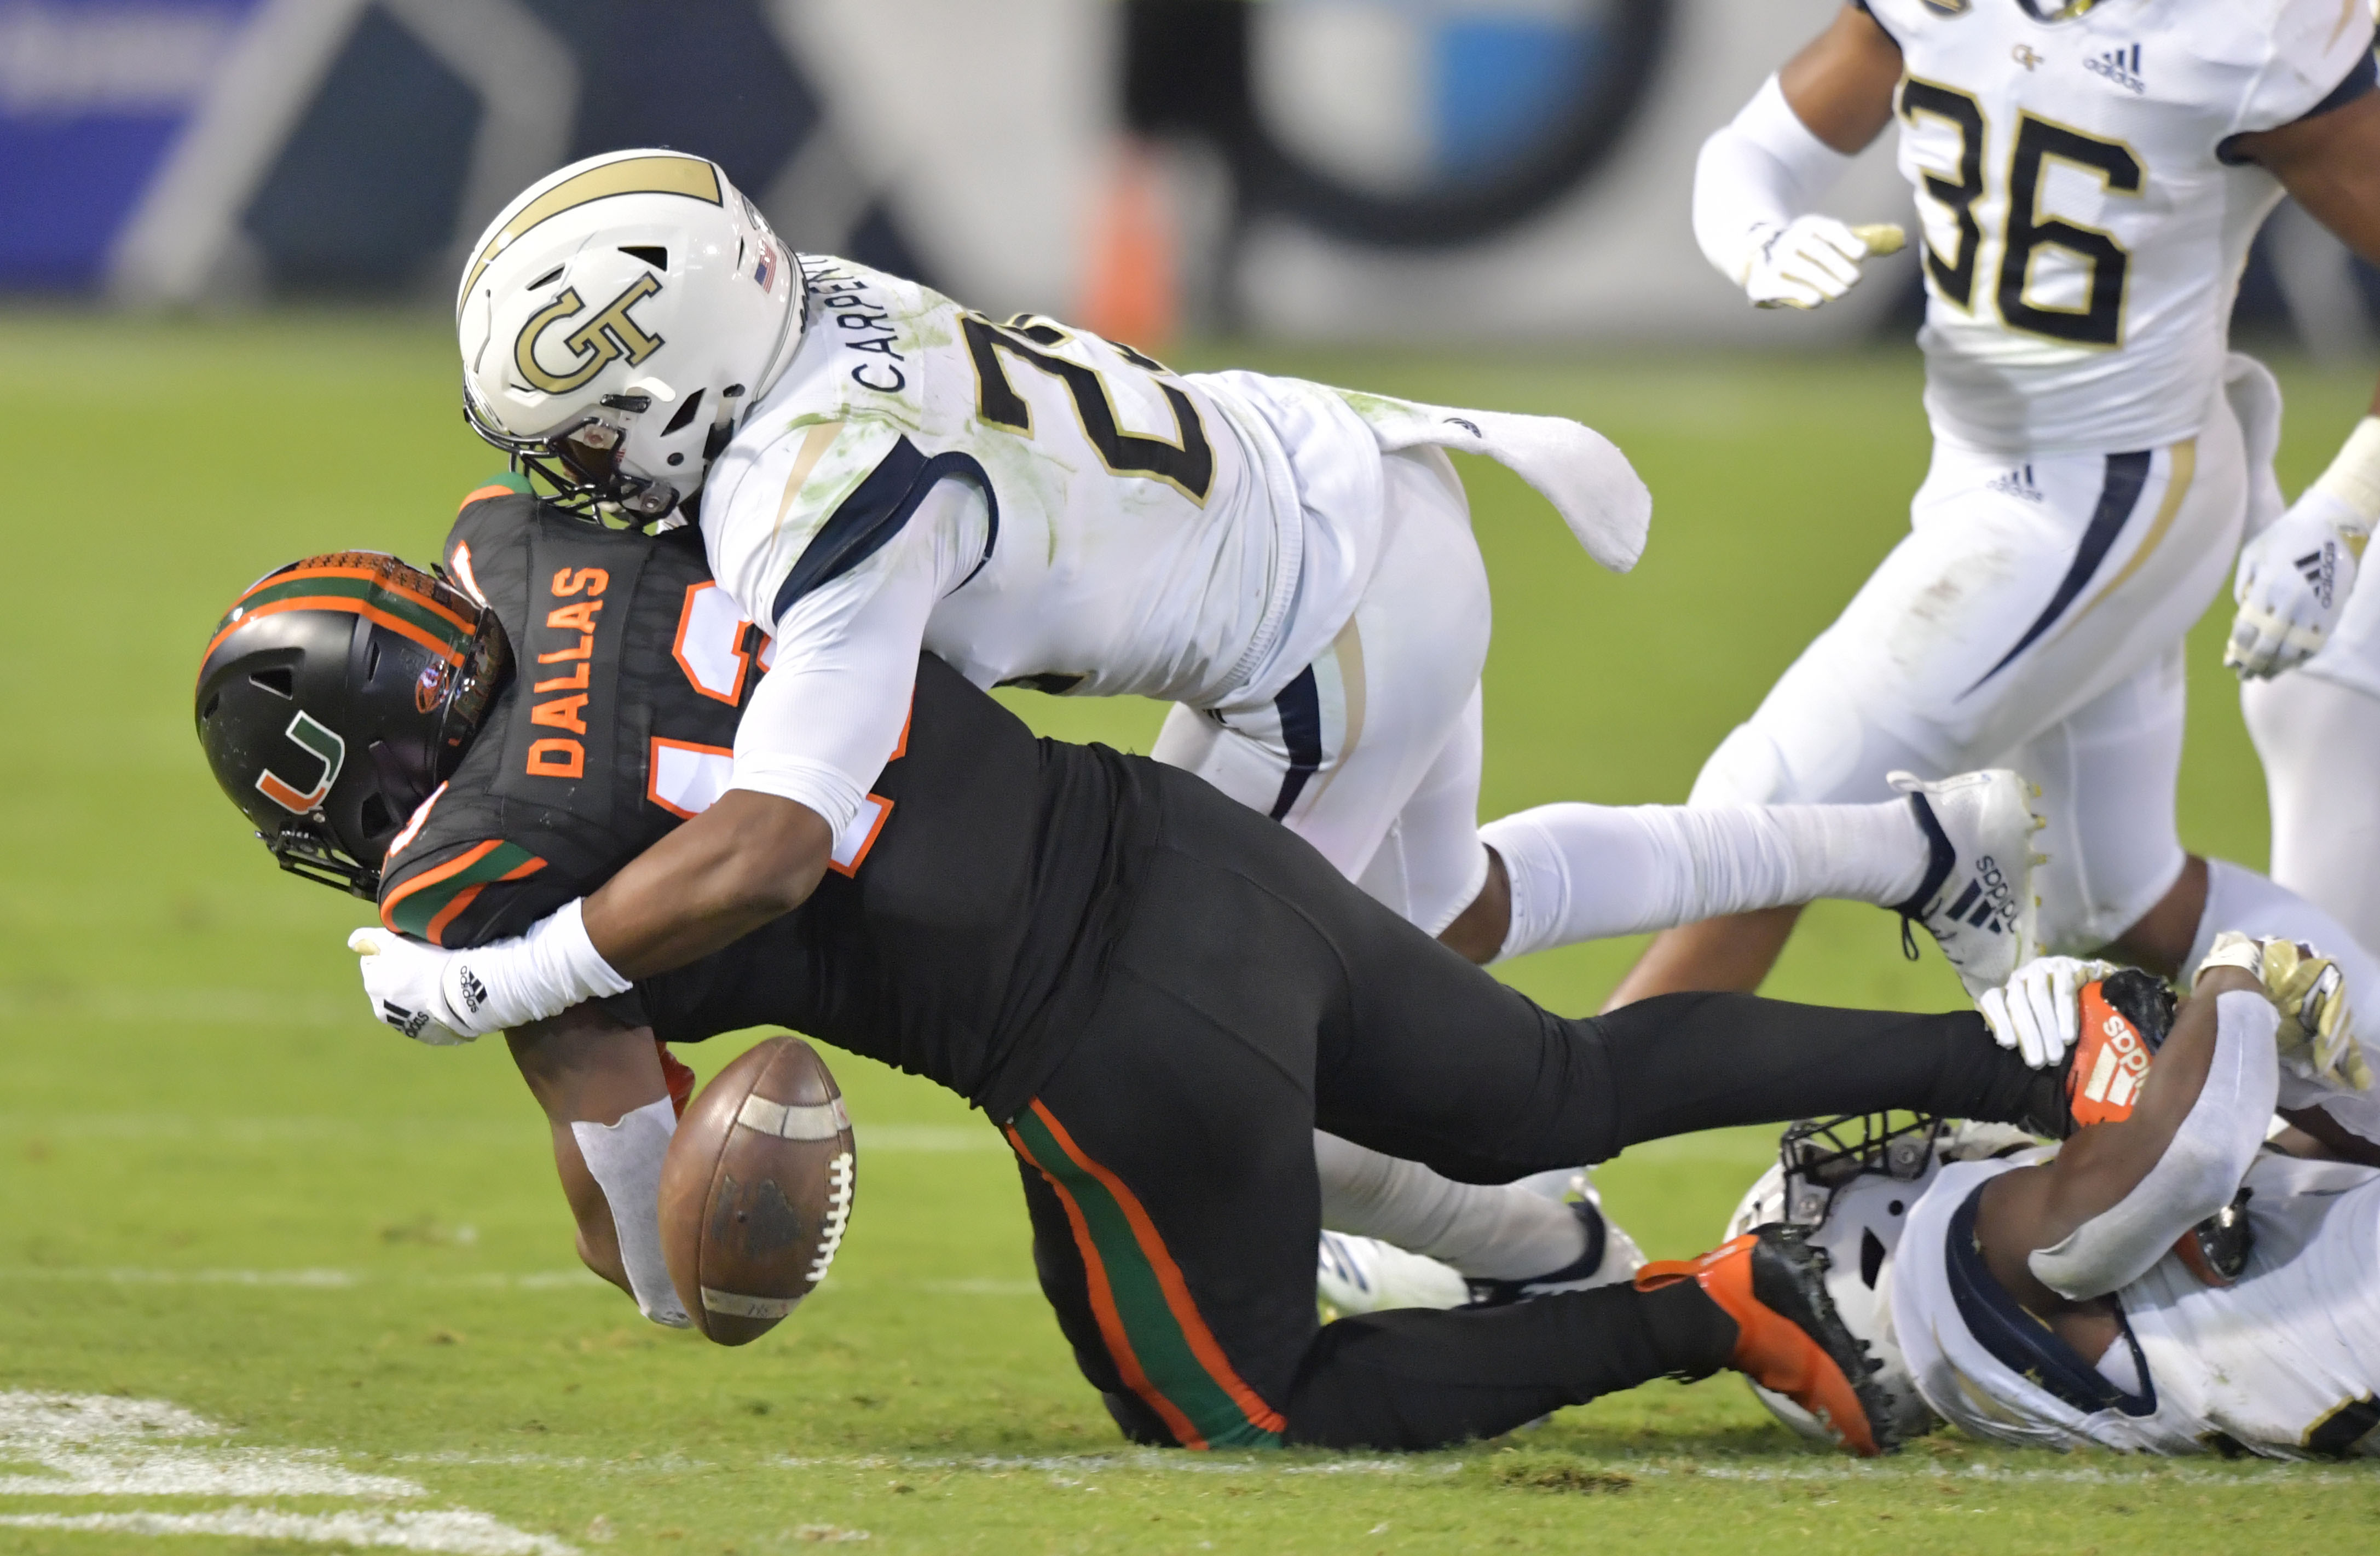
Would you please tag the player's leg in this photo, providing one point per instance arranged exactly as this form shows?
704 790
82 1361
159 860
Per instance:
2021 593
2118 882
1168 1169
1543 1232
2108 775
2319 738
1426 1057
1339 752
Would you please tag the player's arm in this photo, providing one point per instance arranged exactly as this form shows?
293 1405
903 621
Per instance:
2118 1194
1759 177
820 725
2294 578
818 728
608 1105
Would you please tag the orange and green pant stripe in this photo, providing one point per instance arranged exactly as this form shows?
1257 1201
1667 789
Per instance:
1152 1328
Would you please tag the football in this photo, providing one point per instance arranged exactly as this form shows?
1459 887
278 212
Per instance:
756 1190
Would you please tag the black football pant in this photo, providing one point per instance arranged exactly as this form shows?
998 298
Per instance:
1253 996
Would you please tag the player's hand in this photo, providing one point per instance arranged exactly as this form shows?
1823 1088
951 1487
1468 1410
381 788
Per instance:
2317 1033
1810 261
2039 1010
405 983
2292 585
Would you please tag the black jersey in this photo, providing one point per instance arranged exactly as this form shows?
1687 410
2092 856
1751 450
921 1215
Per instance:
959 931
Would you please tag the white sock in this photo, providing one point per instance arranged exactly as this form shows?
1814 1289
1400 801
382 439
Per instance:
626 1159
1488 1232
1591 871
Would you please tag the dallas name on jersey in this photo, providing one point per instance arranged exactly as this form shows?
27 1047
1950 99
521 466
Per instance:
1138 530
2085 209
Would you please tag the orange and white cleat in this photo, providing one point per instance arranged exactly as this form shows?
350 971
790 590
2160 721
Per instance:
1771 1280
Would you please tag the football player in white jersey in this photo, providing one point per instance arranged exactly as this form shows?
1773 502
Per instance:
880 470
2163 1282
2088 176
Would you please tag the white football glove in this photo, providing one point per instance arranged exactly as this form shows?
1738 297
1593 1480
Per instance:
2317 1036
2039 1012
2292 585
405 983
1810 261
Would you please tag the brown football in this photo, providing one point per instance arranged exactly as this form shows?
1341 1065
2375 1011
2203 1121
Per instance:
756 1190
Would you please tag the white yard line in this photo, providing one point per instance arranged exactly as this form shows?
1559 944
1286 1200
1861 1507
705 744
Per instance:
463 1532
97 1445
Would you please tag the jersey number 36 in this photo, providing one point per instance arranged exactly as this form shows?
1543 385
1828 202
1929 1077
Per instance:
2100 321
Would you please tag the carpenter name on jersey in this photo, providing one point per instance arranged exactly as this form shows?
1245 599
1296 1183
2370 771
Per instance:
943 938
2085 207
1131 538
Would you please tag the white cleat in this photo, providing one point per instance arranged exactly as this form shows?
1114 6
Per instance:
1611 1257
1977 900
1364 1275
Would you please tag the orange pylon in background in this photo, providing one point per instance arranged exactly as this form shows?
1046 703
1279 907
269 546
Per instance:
1131 290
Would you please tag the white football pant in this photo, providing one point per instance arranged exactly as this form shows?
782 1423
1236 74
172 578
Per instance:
2033 618
2317 729
1372 754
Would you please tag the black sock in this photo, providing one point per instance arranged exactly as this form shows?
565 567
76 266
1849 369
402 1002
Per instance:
1681 1062
1417 1378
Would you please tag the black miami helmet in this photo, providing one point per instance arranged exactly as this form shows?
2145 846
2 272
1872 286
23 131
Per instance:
336 694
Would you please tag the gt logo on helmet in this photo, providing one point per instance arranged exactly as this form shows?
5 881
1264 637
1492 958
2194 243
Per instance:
324 742
609 336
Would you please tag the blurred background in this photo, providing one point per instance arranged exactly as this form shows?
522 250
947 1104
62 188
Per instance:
1451 171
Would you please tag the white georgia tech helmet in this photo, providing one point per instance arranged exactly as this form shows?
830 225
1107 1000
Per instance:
618 320
1854 1180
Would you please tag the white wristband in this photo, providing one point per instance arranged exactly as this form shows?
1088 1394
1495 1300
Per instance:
2354 475
530 977
626 1159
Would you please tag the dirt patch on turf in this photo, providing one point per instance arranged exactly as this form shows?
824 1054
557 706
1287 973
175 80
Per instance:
1554 1472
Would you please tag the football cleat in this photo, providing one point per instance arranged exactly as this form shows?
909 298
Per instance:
2121 1021
1977 899
1790 1340
1355 1275
1610 1258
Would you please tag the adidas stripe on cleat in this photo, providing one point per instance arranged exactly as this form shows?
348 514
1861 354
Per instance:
1976 899
2119 1028
1790 1340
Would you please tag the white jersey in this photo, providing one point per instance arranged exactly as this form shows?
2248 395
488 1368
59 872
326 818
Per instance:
2284 1361
2084 223
1143 530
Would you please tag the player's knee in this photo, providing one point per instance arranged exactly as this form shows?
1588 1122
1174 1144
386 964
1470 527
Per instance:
1748 768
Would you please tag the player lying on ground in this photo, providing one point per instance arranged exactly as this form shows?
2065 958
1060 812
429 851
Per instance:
880 470
2163 1282
1157 992
2088 178
1658 866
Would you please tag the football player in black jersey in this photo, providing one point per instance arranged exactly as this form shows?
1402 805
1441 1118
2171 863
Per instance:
1156 993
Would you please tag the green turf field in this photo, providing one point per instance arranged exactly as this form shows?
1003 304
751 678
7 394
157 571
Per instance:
221 1187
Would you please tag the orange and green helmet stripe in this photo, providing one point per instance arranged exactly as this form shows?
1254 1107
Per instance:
426 905
361 583
1151 1326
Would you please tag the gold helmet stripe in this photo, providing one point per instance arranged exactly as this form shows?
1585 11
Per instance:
691 176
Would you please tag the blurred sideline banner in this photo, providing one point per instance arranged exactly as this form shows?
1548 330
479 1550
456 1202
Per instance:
1423 170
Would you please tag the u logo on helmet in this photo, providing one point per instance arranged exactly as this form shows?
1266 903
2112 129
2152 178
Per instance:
324 742
607 337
